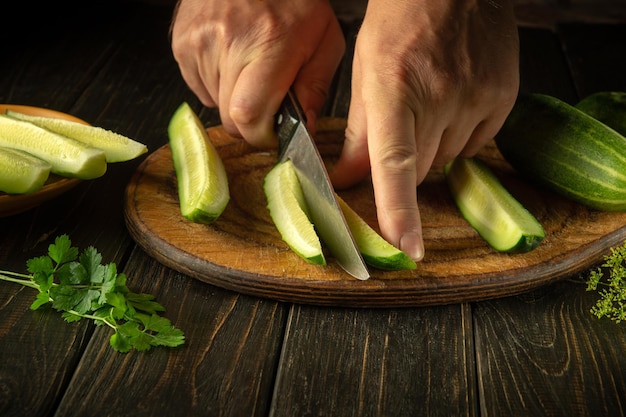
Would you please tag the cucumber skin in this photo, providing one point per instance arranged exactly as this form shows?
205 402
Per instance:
376 251
609 107
565 150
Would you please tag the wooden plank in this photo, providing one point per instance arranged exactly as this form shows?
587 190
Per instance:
544 354
39 346
226 367
39 350
366 362
77 53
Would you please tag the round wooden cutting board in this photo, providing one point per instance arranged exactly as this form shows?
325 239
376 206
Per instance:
242 251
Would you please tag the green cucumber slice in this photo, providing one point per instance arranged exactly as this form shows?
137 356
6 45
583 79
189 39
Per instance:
67 157
202 181
490 209
288 210
117 148
376 251
22 173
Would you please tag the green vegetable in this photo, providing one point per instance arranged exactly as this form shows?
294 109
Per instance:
81 287
490 209
289 211
117 148
609 107
21 172
612 302
564 149
376 251
68 157
202 181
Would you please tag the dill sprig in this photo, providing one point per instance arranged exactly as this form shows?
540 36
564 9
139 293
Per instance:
612 302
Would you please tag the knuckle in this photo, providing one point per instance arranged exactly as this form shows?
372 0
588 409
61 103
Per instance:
398 159
244 114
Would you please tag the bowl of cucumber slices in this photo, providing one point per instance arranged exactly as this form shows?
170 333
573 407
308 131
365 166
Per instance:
44 153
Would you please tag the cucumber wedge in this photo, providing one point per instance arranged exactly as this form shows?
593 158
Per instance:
289 212
67 157
490 209
22 173
202 181
117 148
376 251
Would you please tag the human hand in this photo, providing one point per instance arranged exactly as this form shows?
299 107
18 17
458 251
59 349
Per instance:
431 80
243 56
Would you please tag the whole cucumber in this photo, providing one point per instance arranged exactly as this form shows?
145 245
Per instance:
566 150
609 107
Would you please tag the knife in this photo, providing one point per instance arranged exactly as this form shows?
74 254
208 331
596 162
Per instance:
295 143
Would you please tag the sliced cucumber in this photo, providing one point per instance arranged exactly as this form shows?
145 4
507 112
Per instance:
376 251
22 173
68 157
490 209
202 181
289 212
117 148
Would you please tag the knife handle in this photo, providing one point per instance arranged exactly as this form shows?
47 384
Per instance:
289 116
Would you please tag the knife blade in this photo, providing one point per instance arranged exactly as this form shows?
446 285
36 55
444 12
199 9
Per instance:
295 143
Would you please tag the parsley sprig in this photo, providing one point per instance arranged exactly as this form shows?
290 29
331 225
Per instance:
81 287
612 302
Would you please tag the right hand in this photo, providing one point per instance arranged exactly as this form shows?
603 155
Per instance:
242 56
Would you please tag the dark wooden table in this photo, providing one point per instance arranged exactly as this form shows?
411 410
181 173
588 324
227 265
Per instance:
535 354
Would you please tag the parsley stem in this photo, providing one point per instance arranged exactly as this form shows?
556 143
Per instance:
24 282
95 318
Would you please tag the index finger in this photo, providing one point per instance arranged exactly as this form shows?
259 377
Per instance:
393 160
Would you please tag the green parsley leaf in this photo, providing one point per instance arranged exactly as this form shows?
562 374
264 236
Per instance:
118 302
145 303
120 342
41 299
42 271
62 251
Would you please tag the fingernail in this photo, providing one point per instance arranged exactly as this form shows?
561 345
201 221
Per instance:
411 243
